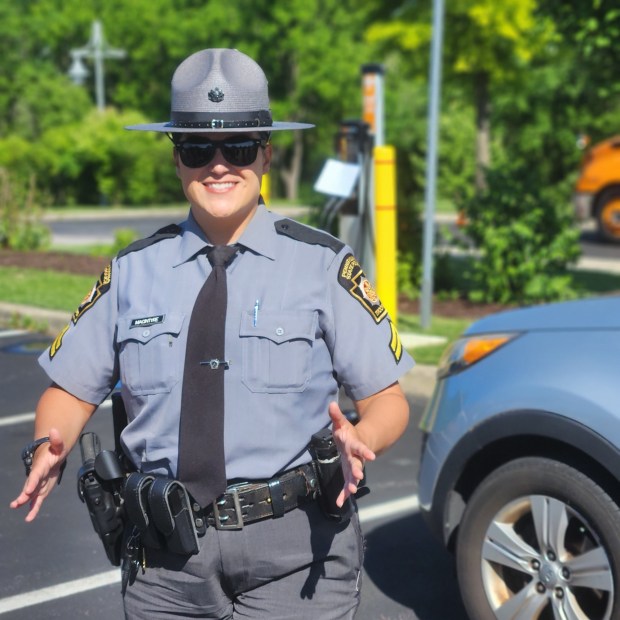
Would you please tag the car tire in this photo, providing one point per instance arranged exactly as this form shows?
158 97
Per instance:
539 540
608 215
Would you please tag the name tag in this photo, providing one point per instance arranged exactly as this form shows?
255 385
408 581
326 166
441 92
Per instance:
148 320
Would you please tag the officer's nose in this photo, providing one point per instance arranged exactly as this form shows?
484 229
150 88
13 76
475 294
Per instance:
218 161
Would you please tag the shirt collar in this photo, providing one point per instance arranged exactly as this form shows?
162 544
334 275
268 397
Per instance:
258 236
193 240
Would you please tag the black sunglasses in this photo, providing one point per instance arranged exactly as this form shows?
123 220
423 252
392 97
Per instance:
236 151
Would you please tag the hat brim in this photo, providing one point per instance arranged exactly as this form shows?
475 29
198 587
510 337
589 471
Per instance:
170 128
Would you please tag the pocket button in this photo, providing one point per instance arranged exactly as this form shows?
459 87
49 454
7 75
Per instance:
279 331
146 333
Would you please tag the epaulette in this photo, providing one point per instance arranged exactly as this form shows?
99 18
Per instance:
306 234
167 232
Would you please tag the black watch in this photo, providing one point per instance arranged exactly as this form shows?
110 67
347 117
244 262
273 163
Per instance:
28 455
29 450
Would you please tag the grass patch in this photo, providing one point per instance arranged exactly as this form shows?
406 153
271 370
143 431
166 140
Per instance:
43 289
595 282
450 329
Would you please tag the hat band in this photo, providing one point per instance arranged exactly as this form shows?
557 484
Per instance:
224 120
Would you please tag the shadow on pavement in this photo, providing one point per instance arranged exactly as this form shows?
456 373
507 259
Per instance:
409 566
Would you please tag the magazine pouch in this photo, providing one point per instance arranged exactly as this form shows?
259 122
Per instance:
137 508
171 512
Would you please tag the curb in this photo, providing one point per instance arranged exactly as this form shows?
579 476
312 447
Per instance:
48 321
419 381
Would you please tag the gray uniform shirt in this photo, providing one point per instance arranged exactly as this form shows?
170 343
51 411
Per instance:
301 320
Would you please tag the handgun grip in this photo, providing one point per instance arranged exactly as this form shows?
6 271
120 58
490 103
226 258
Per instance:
90 447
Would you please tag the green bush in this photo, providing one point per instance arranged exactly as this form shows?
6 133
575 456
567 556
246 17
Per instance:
20 223
96 161
525 236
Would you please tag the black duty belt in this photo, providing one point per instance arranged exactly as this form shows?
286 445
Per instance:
165 516
246 502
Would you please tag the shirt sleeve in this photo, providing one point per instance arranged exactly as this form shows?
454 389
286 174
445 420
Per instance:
82 359
367 352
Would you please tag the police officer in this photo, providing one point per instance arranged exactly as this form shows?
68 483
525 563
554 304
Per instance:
299 321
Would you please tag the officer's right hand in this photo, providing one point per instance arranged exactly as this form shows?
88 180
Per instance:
46 469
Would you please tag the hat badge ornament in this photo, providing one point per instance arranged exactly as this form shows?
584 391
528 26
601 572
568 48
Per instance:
216 95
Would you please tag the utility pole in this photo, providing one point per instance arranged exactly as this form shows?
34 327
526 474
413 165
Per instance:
431 165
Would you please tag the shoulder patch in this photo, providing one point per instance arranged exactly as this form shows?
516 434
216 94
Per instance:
396 346
352 278
101 287
167 232
306 234
57 342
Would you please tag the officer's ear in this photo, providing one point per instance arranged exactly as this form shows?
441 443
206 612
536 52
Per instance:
175 154
175 158
267 154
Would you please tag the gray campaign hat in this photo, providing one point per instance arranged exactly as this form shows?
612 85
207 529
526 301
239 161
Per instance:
219 90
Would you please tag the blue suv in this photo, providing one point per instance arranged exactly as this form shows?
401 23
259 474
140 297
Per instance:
520 470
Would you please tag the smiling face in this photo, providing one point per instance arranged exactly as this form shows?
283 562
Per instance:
223 196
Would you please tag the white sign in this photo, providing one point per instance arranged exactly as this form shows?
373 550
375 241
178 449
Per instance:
338 178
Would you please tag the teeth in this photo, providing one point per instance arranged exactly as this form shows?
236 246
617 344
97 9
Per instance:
220 185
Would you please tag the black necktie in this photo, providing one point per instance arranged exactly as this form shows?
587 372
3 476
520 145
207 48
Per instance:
201 436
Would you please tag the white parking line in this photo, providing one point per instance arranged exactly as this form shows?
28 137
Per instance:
45 595
389 509
9 333
21 418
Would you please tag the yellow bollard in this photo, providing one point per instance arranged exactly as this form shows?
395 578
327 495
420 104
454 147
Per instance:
265 188
385 227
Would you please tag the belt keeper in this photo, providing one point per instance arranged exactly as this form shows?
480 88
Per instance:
277 501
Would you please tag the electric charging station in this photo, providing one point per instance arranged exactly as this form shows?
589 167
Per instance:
346 181
361 188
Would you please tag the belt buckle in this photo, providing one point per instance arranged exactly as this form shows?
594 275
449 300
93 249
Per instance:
220 520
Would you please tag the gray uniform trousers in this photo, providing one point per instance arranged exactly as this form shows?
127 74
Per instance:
300 566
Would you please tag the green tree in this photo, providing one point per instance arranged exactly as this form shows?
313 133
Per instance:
489 44
312 63
34 94
591 32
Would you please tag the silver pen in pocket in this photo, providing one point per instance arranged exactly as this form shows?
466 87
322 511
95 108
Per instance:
256 306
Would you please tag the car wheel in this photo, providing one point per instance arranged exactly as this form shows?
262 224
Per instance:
608 215
539 540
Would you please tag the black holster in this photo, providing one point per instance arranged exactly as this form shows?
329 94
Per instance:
100 481
327 461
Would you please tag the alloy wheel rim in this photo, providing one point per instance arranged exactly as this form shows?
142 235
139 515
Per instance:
542 560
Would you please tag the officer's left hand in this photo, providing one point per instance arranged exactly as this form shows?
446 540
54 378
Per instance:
353 450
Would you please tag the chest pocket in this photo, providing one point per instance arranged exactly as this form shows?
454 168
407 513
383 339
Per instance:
277 352
151 360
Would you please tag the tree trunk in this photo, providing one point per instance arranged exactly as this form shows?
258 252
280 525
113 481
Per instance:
483 128
291 174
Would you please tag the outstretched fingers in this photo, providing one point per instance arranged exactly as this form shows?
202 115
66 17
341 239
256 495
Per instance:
43 475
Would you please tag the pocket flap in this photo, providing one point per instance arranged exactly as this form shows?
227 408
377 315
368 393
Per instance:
280 326
147 328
